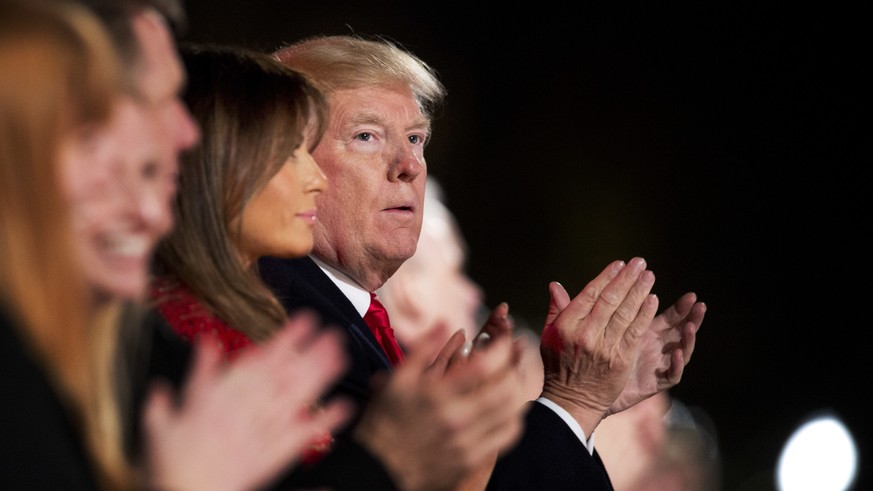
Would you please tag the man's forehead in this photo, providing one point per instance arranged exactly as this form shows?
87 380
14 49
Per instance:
378 105
159 70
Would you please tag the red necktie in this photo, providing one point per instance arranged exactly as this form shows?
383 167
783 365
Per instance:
377 319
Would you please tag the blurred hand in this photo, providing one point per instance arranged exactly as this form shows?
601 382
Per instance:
665 349
239 425
498 324
440 417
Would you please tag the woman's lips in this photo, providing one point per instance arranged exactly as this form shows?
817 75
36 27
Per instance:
309 217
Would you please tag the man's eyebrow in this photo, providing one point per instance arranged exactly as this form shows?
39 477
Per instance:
424 125
368 118
379 120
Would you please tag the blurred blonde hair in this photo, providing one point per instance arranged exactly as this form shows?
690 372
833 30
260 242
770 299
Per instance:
60 75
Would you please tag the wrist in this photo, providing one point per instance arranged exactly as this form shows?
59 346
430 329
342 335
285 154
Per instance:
585 413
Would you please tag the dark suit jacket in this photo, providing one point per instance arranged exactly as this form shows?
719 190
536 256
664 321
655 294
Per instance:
549 456
40 446
301 284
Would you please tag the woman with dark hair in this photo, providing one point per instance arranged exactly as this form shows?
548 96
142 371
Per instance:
248 190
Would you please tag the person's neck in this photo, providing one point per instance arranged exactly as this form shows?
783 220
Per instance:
98 299
366 277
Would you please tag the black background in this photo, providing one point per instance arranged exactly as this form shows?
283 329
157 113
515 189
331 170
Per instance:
724 146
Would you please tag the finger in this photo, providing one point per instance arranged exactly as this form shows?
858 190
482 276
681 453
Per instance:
630 312
559 299
677 367
420 356
451 352
333 415
299 330
600 319
680 309
634 333
605 291
499 323
285 344
482 366
323 362
551 338
698 312
207 358
689 340
583 303
277 361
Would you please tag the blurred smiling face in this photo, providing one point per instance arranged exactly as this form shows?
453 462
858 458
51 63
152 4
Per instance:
121 198
121 176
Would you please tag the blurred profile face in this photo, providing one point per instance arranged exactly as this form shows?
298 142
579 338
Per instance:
160 77
629 442
121 178
279 220
373 155
120 198
435 280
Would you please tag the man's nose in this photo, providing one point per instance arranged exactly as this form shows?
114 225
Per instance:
185 129
407 164
147 207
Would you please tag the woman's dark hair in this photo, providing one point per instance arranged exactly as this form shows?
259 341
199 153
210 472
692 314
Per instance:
253 114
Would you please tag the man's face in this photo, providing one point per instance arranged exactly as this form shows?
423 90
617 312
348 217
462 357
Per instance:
122 188
159 80
120 200
373 156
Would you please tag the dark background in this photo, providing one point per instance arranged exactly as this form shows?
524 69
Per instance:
724 146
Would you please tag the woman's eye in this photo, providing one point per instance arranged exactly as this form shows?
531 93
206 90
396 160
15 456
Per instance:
415 139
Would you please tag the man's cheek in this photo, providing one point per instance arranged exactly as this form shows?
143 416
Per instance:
90 214
165 220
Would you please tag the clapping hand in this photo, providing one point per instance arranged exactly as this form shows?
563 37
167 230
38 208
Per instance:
591 344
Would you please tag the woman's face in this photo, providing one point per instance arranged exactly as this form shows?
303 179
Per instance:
121 194
279 219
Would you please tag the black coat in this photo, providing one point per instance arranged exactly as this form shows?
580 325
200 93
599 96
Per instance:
40 445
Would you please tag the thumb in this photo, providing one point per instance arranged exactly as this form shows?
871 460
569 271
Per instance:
499 323
558 301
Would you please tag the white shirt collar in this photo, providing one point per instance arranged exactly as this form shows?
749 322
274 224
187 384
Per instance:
359 297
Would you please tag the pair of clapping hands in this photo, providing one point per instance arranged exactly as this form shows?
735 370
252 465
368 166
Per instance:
606 350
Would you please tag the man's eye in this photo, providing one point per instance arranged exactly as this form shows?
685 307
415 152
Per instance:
416 139
149 170
365 136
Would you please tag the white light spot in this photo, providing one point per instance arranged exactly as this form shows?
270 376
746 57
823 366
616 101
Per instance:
819 456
